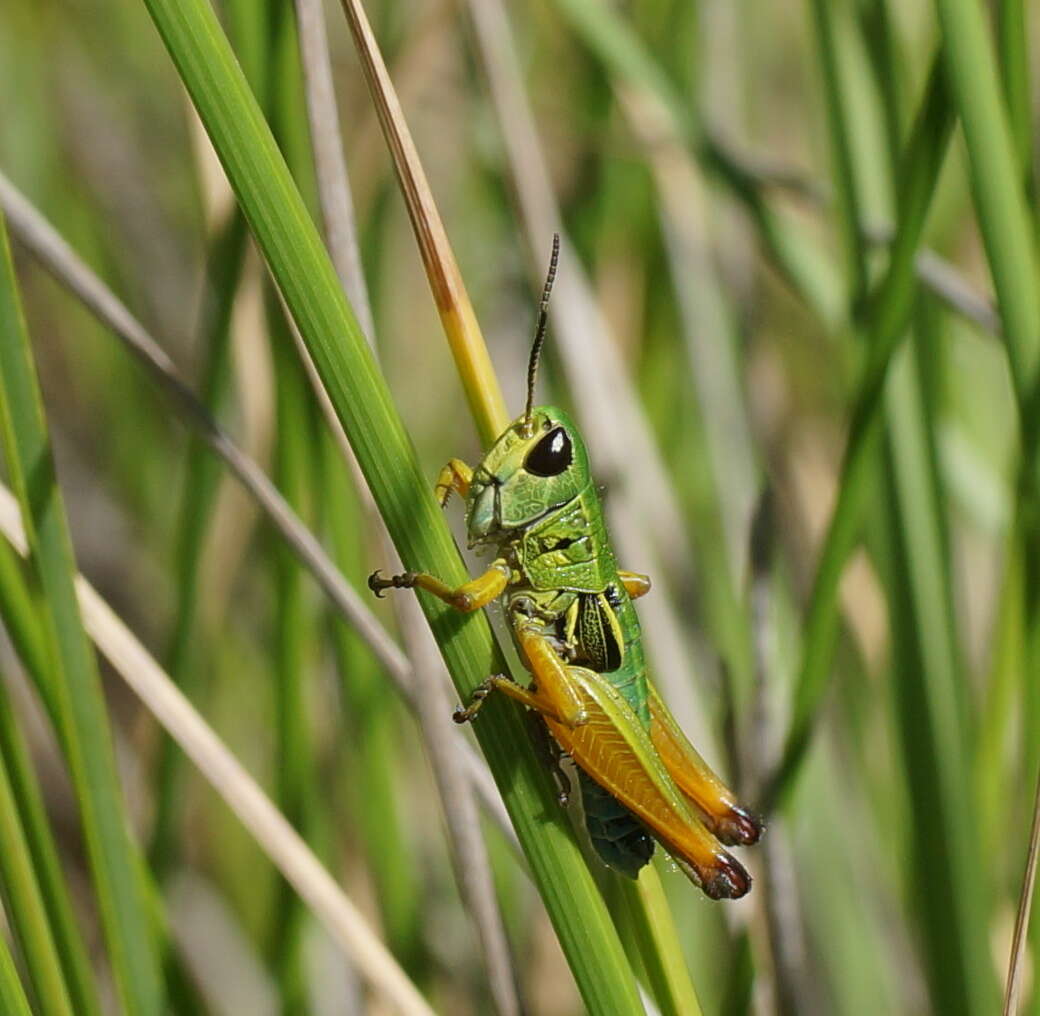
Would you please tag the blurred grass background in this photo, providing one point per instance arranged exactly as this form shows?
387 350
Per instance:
729 174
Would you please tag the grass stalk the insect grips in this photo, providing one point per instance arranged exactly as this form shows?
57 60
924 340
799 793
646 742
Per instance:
675 968
467 849
289 242
524 425
83 725
557 575
70 271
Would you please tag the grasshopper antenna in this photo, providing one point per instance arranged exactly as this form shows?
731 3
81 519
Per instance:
539 335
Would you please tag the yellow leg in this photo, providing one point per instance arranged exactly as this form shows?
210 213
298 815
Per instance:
555 693
455 476
470 596
636 585
556 688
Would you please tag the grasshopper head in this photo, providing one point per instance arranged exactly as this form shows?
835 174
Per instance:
538 464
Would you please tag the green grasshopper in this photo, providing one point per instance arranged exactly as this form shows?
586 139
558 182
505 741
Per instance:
570 612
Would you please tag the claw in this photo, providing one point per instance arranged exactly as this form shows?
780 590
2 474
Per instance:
377 584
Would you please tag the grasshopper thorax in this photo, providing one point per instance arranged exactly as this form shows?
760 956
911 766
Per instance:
538 464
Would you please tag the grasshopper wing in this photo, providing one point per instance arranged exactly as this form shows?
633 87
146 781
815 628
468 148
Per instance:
727 819
615 750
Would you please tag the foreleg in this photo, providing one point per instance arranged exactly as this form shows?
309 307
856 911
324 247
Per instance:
455 476
470 596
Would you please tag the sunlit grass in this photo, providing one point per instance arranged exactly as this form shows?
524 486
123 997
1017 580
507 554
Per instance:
872 682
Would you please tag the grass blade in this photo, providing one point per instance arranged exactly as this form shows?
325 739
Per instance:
241 792
83 728
308 283
24 899
1013 44
479 382
888 317
12 994
653 929
1019 943
844 169
201 474
60 260
996 187
22 625
930 682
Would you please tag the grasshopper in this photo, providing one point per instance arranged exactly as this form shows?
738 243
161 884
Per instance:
570 612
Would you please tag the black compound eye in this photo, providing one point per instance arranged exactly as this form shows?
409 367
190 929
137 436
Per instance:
551 456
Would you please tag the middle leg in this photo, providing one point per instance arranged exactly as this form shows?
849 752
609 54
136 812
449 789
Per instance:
554 693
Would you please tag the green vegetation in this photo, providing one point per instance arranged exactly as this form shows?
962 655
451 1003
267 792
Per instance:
815 427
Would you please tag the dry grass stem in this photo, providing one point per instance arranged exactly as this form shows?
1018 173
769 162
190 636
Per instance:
444 745
237 788
66 266
1020 940
449 291
646 523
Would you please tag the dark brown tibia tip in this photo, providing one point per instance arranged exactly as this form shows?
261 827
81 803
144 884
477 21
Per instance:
738 828
726 879
729 881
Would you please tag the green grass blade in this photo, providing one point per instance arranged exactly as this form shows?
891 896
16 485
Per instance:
948 883
654 932
373 720
888 317
301 267
996 187
1007 231
24 899
1013 49
630 61
83 729
12 994
68 939
202 473
24 627
844 168
293 635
